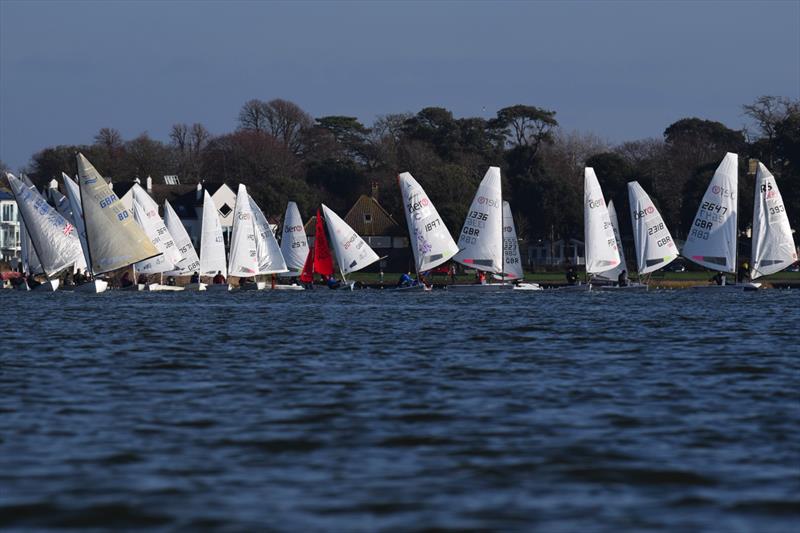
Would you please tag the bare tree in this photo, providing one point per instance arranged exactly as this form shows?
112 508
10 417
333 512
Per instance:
287 122
109 138
198 137
180 137
253 116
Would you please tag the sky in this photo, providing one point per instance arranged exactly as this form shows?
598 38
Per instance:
621 70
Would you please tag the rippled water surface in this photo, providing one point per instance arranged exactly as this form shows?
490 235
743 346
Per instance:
375 410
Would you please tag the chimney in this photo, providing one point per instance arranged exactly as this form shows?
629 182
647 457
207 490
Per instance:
374 190
137 181
149 184
199 191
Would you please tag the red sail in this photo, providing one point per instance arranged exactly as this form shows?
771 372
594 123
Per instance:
307 275
323 262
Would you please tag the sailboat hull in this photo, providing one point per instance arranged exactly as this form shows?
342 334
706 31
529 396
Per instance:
162 288
95 286
289 288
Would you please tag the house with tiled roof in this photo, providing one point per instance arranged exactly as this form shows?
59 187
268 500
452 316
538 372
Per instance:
187 201
379 229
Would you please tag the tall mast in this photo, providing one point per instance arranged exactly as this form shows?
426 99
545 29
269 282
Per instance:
86 227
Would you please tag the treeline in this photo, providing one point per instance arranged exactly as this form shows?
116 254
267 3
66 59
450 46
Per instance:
281 153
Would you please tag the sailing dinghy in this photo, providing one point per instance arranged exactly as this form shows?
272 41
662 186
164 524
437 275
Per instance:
189 262
712 240
145 212
481 241
609 279
602 251
655 247
113 239
294 246
431 242
52 236
773 247
212 247
254 250
351 251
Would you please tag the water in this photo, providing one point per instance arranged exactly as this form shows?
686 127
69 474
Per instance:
375 410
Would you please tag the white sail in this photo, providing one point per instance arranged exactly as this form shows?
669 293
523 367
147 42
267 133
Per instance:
74 197
244 255
481 239
52 236
294 244
430 241
602 252
712 240
613 274
773 244
511 256
114 239
152 226
655 247
30 262
352 252
212 243
189 261
270 258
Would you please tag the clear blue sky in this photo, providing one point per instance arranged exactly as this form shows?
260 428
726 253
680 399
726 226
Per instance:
623 70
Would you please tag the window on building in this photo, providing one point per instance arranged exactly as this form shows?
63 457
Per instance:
367 218
225 210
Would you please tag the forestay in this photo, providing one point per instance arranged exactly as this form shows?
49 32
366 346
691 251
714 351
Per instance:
270 259
157 231
114 239
430 241
212 243
655 247
294 244
613 274
602 252
189 261
481 239
52 236
773 247
511 256
712 239
351 251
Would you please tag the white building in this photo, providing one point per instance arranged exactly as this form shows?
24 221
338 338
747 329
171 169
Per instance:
9 228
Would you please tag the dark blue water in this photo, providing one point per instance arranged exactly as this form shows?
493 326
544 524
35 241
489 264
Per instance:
364 411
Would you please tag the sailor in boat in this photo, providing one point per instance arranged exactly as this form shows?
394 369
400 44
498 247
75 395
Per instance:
719 278
405 280
744 272
622 279
243 281
219 279
572 276
195 277
480 277
79 278
332 282
126 280
142 279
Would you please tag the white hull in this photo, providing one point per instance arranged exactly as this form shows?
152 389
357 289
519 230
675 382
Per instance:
289 288
164 288
528 287
729 286
195 287
95 286
481 286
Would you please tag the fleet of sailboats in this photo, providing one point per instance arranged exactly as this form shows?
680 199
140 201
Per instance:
90 228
